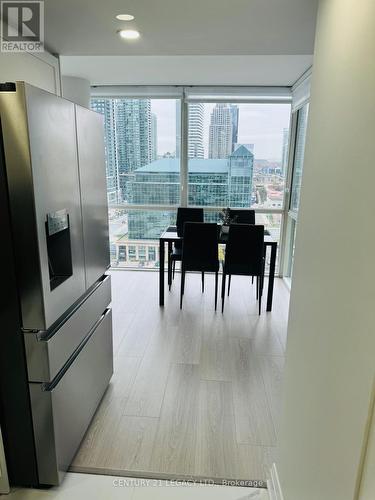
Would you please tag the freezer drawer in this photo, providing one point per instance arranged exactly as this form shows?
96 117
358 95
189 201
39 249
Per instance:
63 409
46 355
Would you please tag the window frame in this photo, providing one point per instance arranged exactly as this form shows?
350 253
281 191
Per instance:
291 215
207 94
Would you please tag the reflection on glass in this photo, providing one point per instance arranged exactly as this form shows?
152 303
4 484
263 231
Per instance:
299 157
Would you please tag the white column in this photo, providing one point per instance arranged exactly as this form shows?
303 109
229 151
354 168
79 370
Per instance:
77 90
331 335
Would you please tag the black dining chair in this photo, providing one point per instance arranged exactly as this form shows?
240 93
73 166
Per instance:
242 216
244 255
183 215
200 252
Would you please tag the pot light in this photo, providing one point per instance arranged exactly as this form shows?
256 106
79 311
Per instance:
129 34
125 17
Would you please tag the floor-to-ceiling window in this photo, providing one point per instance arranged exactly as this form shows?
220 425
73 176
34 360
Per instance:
300 118
190 151
237 157
142 143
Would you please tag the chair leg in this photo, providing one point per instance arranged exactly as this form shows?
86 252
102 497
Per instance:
169 272
260 294
216 280
182 290
174 268
202 281
222 291
229 281
252 280
257 287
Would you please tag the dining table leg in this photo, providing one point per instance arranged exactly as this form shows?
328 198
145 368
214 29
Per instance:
271 277
161 271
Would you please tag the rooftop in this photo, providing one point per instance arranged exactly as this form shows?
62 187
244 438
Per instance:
196 166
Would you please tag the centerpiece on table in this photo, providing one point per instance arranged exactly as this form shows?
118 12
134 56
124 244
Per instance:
226 220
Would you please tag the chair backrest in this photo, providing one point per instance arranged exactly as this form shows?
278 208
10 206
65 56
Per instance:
187 215
244 253
242 216
200 246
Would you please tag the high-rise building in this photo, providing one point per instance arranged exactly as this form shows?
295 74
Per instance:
220 132
240 175
133 133
133 137
154 137
129 141
178 128
107 108
234 113
213 182
196 118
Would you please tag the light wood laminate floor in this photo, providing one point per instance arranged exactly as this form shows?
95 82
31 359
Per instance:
195 393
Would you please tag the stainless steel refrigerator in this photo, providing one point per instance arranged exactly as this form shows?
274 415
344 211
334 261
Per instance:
56 356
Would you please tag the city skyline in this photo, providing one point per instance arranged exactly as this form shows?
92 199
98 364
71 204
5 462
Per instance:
142 167
258 124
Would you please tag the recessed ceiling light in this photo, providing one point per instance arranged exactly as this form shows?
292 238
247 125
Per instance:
125 17
129 34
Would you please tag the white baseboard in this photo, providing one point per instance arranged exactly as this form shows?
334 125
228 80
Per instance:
273 485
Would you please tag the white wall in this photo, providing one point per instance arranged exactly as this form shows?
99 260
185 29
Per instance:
331 340
367 488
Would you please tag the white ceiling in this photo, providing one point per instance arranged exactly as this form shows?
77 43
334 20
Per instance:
176 27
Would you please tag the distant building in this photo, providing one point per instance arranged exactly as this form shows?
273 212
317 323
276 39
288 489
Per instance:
220 183
128 140
133 135
234 112
220 132
178 128
195 137
154 137
107 108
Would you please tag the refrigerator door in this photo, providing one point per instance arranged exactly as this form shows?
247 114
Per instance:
41 159
90 140
62 410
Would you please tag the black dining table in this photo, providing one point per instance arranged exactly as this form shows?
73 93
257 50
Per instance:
170 236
